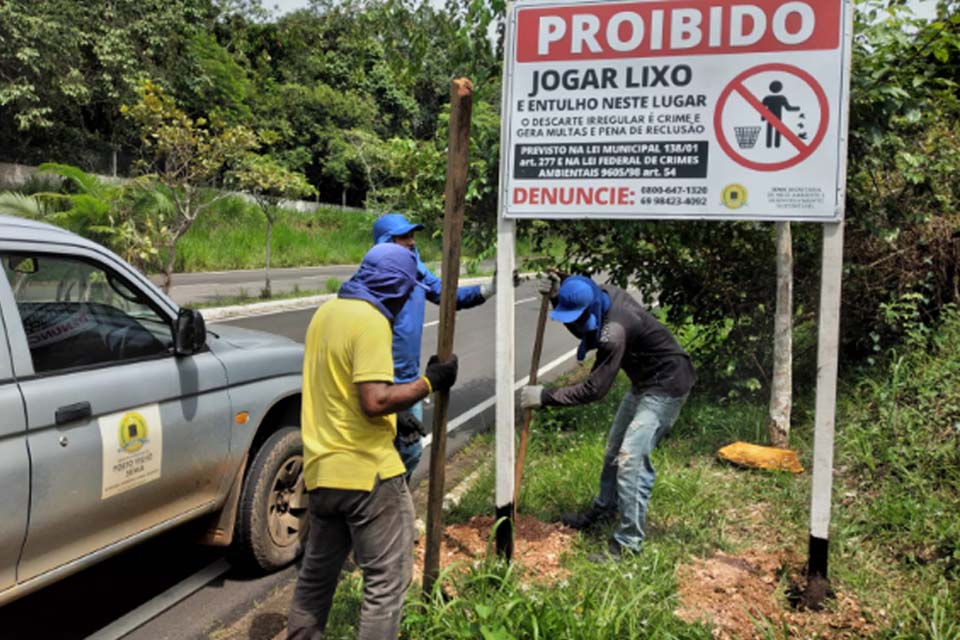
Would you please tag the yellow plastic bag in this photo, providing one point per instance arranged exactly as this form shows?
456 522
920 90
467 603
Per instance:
758 457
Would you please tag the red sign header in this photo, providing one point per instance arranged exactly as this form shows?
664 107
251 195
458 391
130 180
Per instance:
688 27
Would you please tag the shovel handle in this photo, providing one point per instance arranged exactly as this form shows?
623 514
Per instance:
528 413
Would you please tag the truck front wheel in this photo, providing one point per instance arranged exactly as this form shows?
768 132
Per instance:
272 520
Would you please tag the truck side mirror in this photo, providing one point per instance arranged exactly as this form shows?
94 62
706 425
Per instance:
189 332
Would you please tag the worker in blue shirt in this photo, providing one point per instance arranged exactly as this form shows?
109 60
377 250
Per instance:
408 329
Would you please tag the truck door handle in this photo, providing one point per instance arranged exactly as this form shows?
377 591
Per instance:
73 412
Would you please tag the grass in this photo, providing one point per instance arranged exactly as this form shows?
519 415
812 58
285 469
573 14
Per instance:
233 236
895 521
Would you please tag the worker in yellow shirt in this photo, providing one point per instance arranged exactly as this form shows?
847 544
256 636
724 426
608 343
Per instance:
358 498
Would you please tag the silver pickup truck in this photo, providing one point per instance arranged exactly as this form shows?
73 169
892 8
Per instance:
122 416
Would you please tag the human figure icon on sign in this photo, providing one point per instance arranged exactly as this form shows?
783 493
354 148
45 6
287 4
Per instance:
777 104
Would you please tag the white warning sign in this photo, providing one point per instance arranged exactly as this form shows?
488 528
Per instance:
132 449
688 109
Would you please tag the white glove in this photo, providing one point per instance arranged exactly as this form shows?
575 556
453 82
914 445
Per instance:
548 285
530 396
487 289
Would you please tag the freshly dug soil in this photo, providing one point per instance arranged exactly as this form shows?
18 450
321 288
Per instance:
742 596
538 547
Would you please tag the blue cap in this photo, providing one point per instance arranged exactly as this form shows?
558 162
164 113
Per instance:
576 295
390 225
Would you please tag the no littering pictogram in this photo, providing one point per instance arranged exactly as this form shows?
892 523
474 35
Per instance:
764 117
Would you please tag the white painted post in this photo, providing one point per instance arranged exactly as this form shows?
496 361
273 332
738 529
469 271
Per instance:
504 374
826 404
828 347
504 369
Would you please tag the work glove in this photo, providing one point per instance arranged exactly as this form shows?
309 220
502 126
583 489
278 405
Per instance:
487 289
409 427
531 396
549 285
441 375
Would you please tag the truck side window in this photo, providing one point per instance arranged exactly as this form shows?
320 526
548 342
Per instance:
77 314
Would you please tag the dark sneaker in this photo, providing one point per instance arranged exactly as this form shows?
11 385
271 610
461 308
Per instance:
613 553
588 518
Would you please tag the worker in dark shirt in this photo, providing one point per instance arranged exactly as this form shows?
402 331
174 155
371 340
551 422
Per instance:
626 337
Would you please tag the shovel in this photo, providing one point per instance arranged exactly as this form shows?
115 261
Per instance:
528 413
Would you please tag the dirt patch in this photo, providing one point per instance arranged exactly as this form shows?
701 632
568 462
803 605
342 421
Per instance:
538 547
745 597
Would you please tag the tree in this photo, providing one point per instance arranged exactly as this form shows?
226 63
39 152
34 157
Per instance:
108 213
267 181
67 66
781 385
184 155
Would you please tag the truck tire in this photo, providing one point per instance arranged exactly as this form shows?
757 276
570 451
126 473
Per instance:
272 520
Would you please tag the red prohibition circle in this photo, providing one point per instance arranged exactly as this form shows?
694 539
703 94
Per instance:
802 154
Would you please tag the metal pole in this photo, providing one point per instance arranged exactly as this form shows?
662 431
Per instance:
828 346
461 107
504 371
826 407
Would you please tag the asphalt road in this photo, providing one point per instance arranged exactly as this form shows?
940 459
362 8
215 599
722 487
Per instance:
126 585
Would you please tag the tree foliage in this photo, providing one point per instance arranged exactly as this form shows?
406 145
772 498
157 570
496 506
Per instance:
354 95
182 155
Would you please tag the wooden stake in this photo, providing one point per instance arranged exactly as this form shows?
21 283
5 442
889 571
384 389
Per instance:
461 107
528 414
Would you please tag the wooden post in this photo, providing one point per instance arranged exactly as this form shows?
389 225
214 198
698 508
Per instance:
528 414
461 106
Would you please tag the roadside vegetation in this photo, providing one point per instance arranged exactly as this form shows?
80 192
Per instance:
233 239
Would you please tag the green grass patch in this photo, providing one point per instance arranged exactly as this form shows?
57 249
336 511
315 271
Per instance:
233 236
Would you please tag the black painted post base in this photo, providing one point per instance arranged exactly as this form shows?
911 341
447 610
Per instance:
504 516
818 584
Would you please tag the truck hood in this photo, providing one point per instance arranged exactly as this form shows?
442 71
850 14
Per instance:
244 338
249 355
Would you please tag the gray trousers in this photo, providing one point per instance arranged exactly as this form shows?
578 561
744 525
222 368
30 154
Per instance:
378 526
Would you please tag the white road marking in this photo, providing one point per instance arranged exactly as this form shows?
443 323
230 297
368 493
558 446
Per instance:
489 402
436 322
152 608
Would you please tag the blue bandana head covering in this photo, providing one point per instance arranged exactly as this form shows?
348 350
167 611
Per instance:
581 305
390 225
385 278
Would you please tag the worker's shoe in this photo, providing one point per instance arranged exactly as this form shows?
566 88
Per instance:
613 553
588 518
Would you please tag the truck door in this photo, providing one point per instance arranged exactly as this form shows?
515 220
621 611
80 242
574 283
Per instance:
123 434
14 468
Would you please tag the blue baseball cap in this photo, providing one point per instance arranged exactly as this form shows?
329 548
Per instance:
390 225
576 295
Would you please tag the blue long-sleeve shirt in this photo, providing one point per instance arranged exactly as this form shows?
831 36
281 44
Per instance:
408 325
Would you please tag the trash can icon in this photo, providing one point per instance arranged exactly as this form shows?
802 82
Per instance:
747 136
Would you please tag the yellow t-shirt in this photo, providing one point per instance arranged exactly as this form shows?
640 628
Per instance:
348 341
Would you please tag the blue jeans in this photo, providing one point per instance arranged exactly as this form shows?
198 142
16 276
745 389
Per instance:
628 474
410 452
